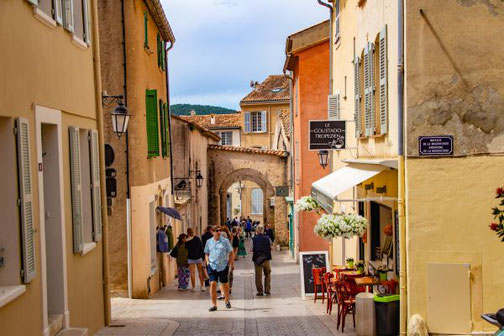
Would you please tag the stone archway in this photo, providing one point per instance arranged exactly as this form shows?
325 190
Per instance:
266 168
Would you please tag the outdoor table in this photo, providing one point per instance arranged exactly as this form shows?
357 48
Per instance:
367 281
350 274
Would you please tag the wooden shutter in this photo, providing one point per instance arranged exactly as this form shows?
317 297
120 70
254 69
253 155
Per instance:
75 172
162 127
167 129
94 153
163 56
26 199
383 81
264 121
369 110
152 123
357 98
333 106
337 33
246 118
58 12
33 2
87 21
68 20
159 51
146 36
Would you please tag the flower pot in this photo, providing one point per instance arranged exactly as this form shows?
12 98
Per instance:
360 269
383 276
350 264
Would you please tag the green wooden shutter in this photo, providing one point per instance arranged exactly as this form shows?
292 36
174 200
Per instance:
95 184
357 98
75 172
163 55
152 123
146 36
162 128
26 199
159 51
383 81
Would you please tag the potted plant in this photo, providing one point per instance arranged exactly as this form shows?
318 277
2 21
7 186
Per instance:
331 226
350 262
307 203
382 272
360 266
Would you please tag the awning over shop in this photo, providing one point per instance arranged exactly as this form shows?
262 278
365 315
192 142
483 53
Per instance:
327 189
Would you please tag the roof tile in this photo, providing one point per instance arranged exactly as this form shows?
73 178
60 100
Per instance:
275 88
222 121
249 150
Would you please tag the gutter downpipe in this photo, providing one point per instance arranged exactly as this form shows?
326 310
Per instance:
128 191
169 115
401 165
101 141
331 80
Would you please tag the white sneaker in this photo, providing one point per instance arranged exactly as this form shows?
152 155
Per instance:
203 289
193 289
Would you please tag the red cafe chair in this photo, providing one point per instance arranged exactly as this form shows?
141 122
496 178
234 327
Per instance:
346 304
328 280
317 282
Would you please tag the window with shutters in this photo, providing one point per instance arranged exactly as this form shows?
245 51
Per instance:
382 82
257 201
86 189
11 247
337 32
151 116
226 138
146 32
165 128
258 121
358 89
333 106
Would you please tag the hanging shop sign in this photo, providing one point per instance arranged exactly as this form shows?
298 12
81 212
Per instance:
282 191
441 145
327 134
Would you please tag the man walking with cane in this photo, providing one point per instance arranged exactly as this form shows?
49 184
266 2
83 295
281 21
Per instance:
219 257
261 248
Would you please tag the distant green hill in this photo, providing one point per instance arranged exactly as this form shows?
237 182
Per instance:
185 109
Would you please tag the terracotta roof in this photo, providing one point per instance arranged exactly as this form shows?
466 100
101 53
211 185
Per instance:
249 150
286 122
157 12
221 120
202 130
274 89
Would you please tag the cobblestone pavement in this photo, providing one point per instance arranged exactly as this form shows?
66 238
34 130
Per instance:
170 312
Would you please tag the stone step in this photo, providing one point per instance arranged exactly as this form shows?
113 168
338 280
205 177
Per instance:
73 332
55 322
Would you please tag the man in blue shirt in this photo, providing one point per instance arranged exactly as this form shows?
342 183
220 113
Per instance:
219 258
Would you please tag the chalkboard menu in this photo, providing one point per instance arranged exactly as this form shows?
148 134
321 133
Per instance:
309 261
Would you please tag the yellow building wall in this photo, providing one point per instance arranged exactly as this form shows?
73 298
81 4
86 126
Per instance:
41 66
261 139
448 213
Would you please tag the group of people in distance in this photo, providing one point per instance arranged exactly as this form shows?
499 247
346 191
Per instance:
213 256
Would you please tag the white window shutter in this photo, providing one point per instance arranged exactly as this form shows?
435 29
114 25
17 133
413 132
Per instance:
333 106
369 111
357 98
75 172
372 119
264 121
96 188
87 21
337 33
58 12
26 199
246 117
383 81
68 21
366 92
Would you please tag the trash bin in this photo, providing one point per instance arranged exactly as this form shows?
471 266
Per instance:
365 314
387 314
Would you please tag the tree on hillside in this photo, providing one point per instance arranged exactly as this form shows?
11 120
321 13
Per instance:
185 109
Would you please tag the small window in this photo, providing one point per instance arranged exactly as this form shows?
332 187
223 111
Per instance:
258 122
226 138
276 90
257 201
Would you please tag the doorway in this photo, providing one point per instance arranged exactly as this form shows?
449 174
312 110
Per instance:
381 238
52 229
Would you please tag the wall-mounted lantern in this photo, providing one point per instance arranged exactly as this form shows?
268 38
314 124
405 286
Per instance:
323 157
120 116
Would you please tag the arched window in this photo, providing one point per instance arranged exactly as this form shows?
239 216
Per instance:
257 201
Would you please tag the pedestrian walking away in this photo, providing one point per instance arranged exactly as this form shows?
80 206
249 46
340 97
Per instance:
261 249
195 259
180 253
219 257
242 251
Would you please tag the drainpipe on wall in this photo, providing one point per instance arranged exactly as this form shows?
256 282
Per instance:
169 114
99 112
401 170
128 191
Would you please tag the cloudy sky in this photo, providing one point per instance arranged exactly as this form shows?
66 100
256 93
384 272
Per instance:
224 44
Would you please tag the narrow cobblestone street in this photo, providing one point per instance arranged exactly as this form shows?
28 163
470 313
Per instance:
171 312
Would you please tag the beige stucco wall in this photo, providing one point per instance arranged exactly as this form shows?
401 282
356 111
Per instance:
41 66
142 73
265 139
454 87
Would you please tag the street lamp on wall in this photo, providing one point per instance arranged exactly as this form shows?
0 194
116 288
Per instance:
323 156
199 179
120 116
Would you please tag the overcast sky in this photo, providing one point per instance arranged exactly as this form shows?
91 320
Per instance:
221 45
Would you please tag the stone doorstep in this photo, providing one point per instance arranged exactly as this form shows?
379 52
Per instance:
55 322
73 332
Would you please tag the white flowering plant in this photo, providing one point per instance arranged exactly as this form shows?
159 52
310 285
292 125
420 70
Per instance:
307 203
331 226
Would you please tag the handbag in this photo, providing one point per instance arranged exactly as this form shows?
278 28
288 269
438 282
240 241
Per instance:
260 258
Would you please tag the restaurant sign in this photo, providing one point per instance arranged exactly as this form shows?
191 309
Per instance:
327 134
441 145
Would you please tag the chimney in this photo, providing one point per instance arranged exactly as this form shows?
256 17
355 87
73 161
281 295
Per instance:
212 119
192 112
